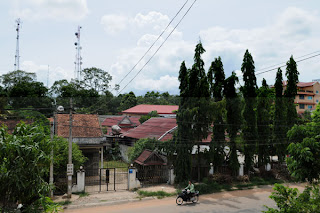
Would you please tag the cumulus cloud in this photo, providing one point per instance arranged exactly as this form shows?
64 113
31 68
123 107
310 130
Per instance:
293 32
114 24
41 70
72 10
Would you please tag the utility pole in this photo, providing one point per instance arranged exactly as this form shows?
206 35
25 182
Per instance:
17 56
51 154
70 165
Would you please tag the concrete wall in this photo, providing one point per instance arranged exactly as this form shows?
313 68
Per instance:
133 181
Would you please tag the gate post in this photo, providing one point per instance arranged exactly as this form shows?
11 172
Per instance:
133 182
81 176
211 171
171 175
241 172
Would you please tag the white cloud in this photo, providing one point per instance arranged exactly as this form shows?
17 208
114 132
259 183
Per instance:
55 73
114 24
73 10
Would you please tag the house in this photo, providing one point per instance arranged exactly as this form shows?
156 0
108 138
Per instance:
124 122
307 97
144 109
152 167
86 132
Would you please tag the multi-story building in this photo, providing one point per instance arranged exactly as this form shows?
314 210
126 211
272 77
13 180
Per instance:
308 95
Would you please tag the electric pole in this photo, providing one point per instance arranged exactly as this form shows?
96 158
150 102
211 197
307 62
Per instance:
70 165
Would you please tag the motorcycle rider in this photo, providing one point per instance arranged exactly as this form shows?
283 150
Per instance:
191 188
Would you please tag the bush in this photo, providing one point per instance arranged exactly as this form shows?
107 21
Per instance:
222 178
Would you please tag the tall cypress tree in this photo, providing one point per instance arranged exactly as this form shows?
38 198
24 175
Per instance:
279 122
216 79
199 106
249 115
233 108
182 163
264 101
291 91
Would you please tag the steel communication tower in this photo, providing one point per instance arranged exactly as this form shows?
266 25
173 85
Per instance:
78 62
17 56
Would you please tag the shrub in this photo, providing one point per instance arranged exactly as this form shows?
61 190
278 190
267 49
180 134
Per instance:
222 178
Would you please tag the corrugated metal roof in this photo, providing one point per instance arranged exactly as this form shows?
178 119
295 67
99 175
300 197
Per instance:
144 109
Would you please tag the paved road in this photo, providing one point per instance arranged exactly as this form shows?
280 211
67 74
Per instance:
235 201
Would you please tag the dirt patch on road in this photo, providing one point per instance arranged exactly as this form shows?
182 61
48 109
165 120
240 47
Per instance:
164 187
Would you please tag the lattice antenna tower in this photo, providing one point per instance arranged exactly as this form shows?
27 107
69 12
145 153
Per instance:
17 56
78 62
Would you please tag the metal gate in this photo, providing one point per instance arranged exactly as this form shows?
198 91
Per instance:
113 179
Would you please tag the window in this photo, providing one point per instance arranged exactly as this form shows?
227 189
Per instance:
310 107
309 97
301 106
301 96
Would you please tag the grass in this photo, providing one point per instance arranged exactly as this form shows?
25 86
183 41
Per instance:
64 203
158 194
82 194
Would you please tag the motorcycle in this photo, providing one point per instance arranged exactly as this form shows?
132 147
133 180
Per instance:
186 197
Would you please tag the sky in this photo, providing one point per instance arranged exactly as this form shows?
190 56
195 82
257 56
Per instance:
116 34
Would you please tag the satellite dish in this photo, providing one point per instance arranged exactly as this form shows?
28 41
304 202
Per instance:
60 109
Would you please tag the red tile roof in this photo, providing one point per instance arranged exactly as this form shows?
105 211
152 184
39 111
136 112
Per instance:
153 128
12 123
144 109
145 155
83 126
301 84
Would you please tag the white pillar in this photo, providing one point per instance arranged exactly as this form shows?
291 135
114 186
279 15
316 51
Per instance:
101 166
268 167
133 182
211 171
171 175
241 172
81 177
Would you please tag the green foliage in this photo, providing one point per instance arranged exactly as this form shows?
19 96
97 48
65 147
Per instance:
289 200
113 153
279 119
216 74
24 163
60 150
95 79
151 114
250 121
291 91
12 78
140 146
127 101
304 160
264 121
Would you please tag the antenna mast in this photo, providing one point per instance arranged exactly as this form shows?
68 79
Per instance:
17 56
78 62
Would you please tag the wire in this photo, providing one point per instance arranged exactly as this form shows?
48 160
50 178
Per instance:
152 44
158 48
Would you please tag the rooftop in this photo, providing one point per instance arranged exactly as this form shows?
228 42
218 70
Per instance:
144 109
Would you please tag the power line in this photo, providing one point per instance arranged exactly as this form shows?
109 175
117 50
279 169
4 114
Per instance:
158 47
152 44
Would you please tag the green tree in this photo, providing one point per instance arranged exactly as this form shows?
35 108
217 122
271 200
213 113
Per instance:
24 164
199 106
289 200
233 115
183 143
140 146
250 122
264 122
216 78
127 101
279 120
290 93
151 114
95 79
12 78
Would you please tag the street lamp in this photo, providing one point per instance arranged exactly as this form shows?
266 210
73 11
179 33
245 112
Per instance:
53 131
